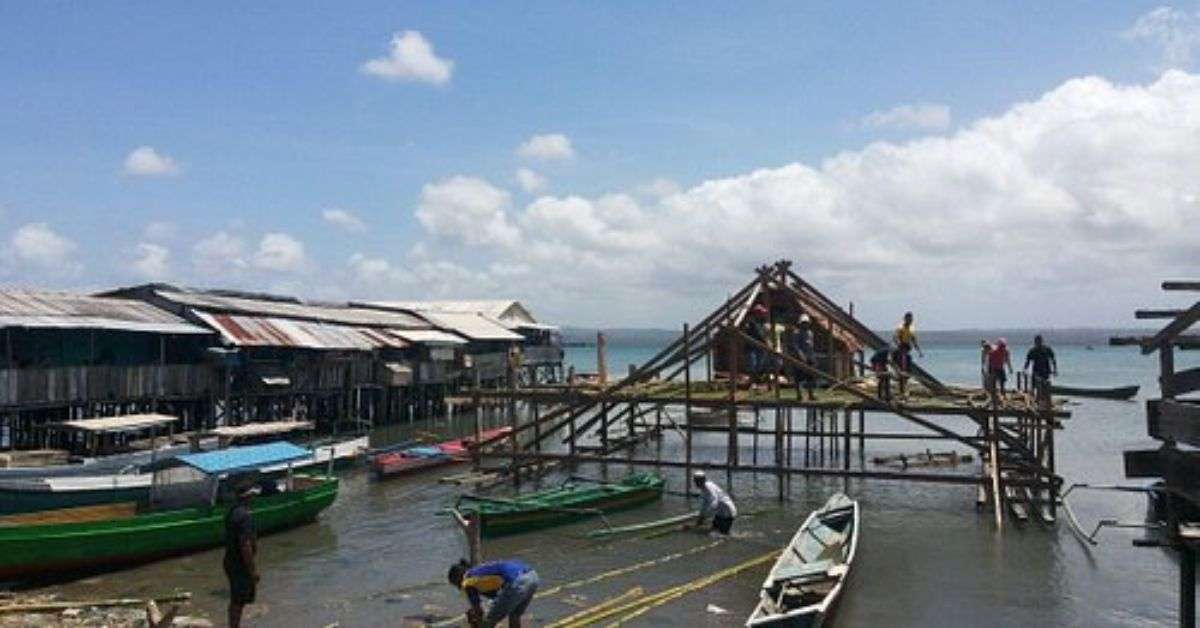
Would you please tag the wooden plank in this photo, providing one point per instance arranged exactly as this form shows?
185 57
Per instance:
1148 314
1173 420
1173 329
1181 382
1146 463
1181 285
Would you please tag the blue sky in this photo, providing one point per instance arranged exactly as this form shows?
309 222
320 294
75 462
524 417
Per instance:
270 120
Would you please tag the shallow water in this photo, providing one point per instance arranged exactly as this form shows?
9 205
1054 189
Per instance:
378 555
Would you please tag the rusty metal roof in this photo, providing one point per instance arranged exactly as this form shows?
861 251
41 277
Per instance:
44 309
266 331
203 301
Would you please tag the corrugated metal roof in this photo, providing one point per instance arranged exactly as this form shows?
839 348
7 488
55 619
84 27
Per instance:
472 326
509 312
267 331
286 309
245 458
430 336
39 309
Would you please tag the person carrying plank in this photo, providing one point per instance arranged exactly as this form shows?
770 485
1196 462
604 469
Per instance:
802 349
717 504
880 361
510 584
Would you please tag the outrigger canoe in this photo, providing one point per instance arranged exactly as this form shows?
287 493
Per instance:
103 537
386 464
809 576
558 506
1116 392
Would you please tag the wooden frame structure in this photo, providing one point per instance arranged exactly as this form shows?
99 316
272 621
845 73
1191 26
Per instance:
1174 419
679 392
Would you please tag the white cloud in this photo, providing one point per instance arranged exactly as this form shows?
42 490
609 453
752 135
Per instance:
658 188
219 253
1174 32
344 219
280 252
1038 215
467 210
151 261
923 116
530 181
547 147
160 230
35 245
144 161
411 59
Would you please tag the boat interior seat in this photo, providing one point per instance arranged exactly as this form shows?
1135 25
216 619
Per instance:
804 572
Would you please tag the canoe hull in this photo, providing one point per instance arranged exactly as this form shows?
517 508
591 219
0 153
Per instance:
1120 392
560 506
395 463
32 551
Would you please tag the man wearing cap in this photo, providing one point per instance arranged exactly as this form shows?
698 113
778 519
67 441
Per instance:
717 504
998 360
240 549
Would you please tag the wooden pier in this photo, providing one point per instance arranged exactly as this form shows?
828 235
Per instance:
717 378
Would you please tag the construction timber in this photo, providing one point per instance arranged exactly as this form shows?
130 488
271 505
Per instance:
718 378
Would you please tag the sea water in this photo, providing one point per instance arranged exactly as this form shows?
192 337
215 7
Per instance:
378 556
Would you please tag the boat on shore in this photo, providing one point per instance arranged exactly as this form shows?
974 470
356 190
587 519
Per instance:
392 463
807 580
108 536
569 503
1115 392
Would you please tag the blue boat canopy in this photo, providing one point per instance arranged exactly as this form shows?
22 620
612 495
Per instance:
245 458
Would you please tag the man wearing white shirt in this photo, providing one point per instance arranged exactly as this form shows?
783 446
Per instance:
717 504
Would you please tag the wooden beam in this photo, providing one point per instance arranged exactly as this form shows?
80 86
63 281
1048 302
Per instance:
1180 382
1182 341
1173 329
1146 314
1173 421
1181 285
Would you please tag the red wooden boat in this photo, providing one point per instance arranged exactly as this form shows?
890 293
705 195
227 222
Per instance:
409 459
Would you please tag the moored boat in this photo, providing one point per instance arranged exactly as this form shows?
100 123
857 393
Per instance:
808 578
558 506
134 484
392 463
1115 392
76 540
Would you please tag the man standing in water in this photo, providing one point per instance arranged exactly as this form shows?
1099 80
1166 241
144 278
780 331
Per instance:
510 583
905 339
1044 366
717 504
241 547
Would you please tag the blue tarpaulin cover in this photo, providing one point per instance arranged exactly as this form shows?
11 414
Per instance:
244 458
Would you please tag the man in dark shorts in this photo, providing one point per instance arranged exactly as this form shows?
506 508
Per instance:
905 339
802 349
1044 366
997 361
880 362
241 546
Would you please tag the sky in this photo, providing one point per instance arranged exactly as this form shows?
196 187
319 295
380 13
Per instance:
1021 164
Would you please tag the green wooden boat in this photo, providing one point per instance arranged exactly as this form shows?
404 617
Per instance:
559 506
101 537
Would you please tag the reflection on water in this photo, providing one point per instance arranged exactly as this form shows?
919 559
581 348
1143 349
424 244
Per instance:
378 556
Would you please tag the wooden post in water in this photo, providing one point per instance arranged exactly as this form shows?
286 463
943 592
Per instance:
994 443
469 524
477 399
512 423
687 417
601 364
846 441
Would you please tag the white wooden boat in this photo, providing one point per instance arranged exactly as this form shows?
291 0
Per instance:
133 484
806 581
